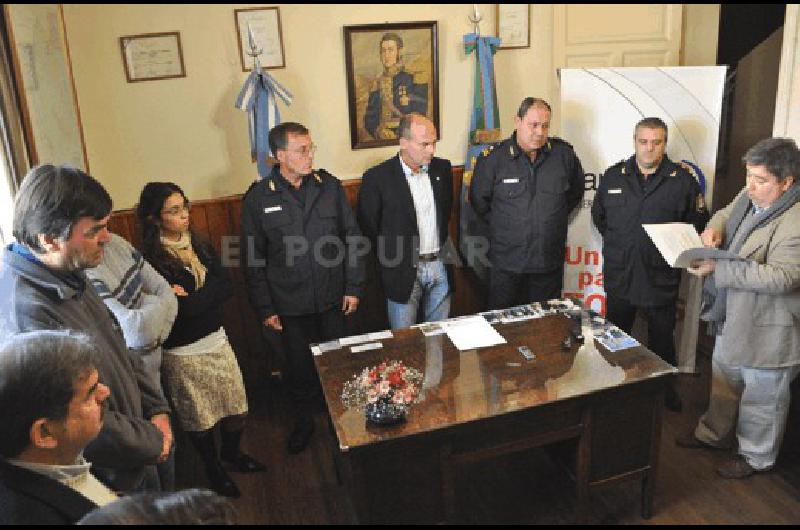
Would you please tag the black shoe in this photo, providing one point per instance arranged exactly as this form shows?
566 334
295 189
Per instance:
244 464
300 436
221 482
672 400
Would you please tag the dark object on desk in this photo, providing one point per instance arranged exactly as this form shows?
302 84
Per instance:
384 413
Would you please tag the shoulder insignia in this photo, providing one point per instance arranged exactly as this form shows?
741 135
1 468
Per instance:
701 203
673 173
623 169
511 150
317 177
558 140
271 185
549 145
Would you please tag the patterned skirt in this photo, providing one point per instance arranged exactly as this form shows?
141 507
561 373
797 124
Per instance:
203 382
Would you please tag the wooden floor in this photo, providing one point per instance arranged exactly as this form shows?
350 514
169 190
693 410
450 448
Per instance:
522 488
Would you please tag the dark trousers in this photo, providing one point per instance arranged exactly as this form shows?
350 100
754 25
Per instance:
660 324
300 372
507 289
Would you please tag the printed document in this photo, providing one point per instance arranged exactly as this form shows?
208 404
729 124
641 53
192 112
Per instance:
472 332
680 244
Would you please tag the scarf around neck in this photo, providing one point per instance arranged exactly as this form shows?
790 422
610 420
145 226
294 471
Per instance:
737 231
184 251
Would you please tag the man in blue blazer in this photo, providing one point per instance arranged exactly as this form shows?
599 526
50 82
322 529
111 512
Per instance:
404 209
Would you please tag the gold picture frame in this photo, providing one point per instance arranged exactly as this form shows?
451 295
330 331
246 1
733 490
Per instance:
392 70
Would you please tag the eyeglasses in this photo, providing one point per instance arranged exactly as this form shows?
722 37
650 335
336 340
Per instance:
176 210
305 151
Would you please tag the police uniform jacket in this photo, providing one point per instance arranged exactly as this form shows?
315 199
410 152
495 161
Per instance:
387 215
283 279
633 269
527 204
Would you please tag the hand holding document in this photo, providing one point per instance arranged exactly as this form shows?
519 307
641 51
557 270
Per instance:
680 244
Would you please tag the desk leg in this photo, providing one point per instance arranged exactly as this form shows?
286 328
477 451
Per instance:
649 480
583 468
357 487
448 483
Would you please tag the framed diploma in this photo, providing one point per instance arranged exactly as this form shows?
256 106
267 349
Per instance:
513 25
265 25
152 56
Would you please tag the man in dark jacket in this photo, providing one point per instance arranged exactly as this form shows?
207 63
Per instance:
302 265
60 222
646 188
51 406
525 189
404 209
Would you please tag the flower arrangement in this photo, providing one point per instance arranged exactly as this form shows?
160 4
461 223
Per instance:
390 384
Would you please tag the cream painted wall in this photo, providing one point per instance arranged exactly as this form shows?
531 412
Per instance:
700 34
188 131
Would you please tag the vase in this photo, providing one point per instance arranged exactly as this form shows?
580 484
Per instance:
384 413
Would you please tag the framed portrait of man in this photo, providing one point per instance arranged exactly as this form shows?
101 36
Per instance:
392 70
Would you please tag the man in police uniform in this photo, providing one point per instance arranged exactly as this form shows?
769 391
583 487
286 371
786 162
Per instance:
646 188
525 188
303 271
393 94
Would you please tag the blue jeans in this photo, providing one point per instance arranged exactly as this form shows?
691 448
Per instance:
431 289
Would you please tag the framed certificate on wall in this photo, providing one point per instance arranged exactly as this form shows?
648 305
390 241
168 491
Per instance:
152 56
513 25
264 24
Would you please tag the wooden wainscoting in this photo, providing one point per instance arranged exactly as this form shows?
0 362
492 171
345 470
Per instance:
259 350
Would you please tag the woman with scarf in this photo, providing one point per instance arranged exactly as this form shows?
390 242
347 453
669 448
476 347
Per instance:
201 376
752 304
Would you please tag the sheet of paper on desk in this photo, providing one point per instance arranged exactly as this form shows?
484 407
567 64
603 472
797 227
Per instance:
472 332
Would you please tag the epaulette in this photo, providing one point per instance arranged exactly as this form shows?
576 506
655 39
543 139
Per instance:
253 186
557 140
488 150
621 165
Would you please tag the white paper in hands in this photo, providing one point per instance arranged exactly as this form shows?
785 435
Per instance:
680 244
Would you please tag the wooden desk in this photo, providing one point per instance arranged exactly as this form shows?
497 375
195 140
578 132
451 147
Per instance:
599 409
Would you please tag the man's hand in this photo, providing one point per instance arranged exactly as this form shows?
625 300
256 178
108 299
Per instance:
702 267
273 322
179 291
161 421
349 304
711 237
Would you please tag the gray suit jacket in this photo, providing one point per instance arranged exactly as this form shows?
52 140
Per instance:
762 322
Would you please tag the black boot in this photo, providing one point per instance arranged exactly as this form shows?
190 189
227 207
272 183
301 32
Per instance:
672 400
220 481
233 456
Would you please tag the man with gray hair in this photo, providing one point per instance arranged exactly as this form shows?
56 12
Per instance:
404 207
752 305
51 407
61 226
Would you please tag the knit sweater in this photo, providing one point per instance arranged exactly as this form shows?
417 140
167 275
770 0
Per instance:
141 300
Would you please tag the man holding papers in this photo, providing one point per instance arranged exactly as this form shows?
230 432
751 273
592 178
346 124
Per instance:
647 188
752 305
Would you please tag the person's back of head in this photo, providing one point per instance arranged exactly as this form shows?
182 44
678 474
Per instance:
192 506
52 199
